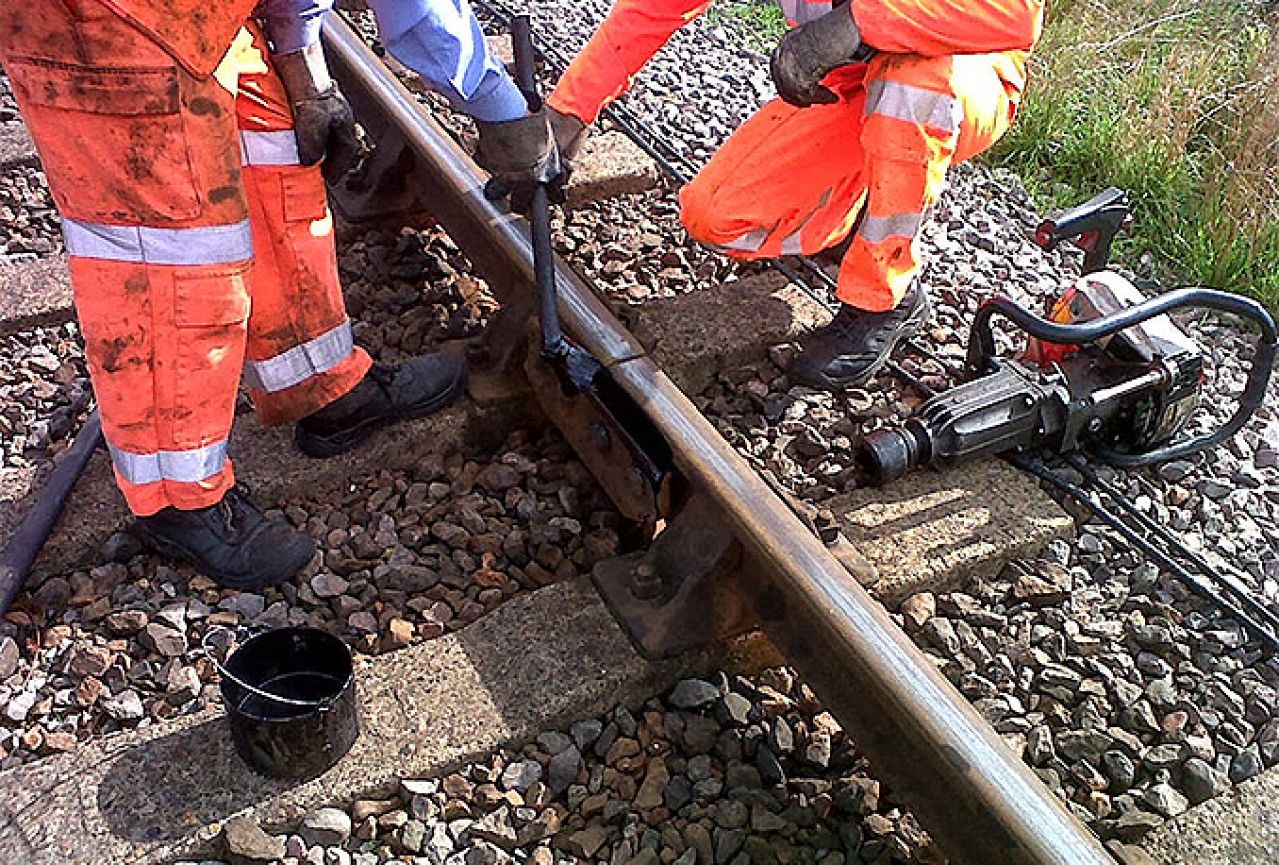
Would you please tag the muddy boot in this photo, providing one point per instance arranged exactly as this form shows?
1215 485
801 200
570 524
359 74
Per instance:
231 542
388 393
856 344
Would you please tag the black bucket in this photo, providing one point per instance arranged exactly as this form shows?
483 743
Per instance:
290 697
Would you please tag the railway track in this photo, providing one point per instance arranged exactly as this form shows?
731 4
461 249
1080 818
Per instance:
362 505
980 802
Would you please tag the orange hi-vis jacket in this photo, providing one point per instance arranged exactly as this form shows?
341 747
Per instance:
793 181
635 29
196 33
201 251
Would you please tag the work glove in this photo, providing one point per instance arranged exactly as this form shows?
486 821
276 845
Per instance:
808 52
570 134
521 154
322 119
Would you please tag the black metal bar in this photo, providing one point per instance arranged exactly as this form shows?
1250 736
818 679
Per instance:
1230 584
1193 582
20 553
980 801
553 344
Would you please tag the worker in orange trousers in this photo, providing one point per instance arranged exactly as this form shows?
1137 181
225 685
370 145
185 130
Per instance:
878 98
183 142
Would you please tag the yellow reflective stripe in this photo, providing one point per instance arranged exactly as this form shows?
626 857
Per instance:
214 244
301 362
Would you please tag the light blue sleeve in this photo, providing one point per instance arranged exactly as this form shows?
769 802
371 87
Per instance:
441 41
292 25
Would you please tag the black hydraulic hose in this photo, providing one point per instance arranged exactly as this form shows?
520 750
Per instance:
1231 584
1193 582
981 348
20 553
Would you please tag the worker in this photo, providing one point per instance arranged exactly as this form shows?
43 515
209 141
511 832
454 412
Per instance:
877 99
183 142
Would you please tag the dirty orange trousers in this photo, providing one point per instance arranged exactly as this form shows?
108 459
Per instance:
795 181
200 249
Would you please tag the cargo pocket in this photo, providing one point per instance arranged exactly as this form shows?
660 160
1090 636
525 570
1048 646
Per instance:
211 313
112 140
304 194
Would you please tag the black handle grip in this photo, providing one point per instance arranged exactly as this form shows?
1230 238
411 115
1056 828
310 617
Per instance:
1094 224
525 61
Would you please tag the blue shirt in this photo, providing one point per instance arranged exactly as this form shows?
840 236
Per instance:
440 40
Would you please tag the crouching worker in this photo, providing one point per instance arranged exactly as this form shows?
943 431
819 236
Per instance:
184 142
878 99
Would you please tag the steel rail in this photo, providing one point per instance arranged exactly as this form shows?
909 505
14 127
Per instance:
982 804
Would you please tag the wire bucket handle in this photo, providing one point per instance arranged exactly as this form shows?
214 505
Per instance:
240 683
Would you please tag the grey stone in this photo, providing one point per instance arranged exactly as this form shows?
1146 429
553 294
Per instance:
1165 800
1246 764
244 843
693 694
327 827
562 769
521 774
8 657
1201 782
496 827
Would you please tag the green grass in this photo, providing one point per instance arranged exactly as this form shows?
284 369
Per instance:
1176 101
759 23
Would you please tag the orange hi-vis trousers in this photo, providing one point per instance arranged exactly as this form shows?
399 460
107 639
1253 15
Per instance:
795 181
200 249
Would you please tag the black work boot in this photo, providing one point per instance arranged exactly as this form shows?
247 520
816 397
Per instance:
857 343
388 393
232 542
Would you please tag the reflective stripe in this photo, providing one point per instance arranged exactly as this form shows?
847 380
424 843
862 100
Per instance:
913 104
214 244
302 361
877 229
186 467
751 241
794 244
802 11
269 148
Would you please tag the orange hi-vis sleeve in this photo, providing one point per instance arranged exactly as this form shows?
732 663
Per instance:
631 34
936 28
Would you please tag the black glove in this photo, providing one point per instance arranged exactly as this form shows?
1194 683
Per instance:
322 119
325 128
521 154
807 53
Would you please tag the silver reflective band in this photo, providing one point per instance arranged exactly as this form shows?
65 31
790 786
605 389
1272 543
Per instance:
802 11
877 229
751 241
214 244
913 104
794 243
182 466
302 361
269 148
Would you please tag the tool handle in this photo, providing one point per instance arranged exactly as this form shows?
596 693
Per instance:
525 62
553 342
1092 225
20 553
